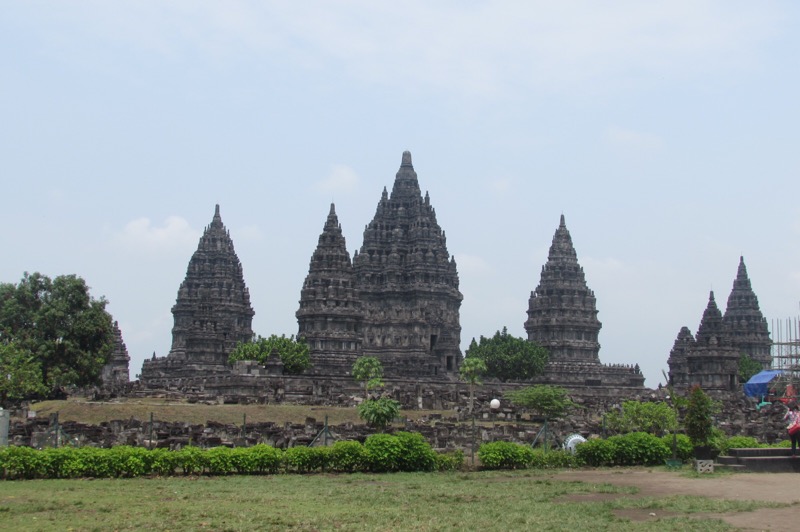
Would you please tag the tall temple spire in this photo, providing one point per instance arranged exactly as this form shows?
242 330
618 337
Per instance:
116 371
330 313
212 311
677 361
408 284
712 361
562 313
711 328
747 326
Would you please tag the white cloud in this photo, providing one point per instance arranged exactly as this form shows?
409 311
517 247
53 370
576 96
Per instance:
140 236
341 178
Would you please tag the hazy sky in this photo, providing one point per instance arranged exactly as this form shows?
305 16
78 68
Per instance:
665 132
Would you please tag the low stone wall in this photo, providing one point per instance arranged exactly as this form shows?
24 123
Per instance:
738 417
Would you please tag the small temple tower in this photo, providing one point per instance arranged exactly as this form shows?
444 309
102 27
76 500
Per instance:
562 318
713 361
747 326
677 361
408 284
330 315
212 311
562 313
116 370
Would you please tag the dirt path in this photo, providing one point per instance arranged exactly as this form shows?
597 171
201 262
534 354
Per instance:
775 487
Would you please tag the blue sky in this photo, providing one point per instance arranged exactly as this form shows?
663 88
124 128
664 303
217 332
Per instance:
665 132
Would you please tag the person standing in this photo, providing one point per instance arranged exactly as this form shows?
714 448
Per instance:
793 416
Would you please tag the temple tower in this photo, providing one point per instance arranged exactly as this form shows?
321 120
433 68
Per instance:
677 361
408 284
713 361
747 326
212 311
330 315
116 370
562 313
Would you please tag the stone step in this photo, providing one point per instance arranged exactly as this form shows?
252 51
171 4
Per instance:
745 452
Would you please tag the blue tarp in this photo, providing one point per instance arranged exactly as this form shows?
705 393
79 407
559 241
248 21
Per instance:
758 384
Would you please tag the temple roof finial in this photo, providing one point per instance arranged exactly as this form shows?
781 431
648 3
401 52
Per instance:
562 223
406 159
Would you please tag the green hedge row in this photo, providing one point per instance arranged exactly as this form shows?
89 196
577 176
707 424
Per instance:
506 455
380 453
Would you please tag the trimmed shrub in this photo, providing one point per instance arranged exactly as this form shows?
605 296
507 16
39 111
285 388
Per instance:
450 461
639 448
219 461
553 459
416 453
596 452
163 462
305 459
191 460
265 459
684 447
505 455
384 453
22 462
348 457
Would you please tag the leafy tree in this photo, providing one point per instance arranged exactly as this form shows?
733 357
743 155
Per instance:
379 413
294 354
369 371
636 416
470 371
20 374
68 332
551 402
747 367
509 358
698 418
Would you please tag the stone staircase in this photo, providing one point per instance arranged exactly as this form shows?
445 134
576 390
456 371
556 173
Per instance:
758 460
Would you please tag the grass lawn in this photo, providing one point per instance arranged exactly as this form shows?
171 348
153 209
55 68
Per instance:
525 500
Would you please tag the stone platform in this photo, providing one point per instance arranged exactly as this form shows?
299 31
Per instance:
759 460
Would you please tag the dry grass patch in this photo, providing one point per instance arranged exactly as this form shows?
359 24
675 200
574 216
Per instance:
94 413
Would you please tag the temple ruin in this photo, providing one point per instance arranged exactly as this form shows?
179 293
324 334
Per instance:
562 317
711 358
398 300
116 370
330 317
211 314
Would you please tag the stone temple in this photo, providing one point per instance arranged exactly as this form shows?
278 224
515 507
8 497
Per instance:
398 300
562 317
116 371
711 358
211 314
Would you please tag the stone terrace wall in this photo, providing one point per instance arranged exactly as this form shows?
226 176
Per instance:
738 417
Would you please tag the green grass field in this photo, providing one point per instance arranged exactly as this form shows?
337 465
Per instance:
404 501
